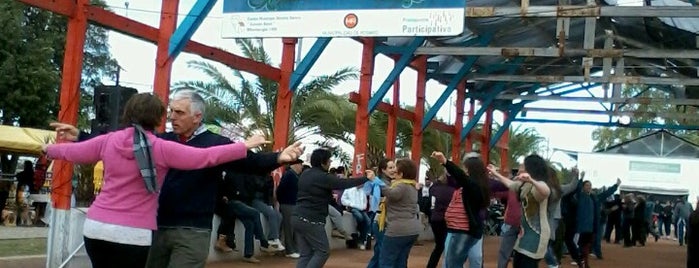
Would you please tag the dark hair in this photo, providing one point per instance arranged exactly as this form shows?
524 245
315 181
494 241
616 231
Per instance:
383 164
143 109
340 170
477 172
332 170
320 157
28 166
538 169
407 167
555 185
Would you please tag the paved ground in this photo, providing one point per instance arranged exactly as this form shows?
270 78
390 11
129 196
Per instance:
23 232
661 254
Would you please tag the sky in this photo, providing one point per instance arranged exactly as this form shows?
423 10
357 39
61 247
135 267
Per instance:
137 58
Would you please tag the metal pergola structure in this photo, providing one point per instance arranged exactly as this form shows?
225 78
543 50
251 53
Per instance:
511 53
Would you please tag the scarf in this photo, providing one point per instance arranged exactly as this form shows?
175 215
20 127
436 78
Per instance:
144 157
382 206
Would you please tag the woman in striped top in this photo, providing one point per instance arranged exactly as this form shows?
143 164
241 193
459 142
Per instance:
464 222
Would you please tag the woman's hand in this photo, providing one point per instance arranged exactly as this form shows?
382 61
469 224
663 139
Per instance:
256 141
370 174
439 156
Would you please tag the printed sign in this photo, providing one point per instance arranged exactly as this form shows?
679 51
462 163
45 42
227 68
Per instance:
342 18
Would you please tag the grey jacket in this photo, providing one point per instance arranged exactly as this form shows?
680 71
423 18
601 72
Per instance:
402 211
681 211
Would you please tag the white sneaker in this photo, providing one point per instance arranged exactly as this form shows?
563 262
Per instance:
362 247
553 266
293 255
269 249
276 244
251 260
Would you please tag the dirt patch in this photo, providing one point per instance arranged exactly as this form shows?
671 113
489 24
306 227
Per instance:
663 253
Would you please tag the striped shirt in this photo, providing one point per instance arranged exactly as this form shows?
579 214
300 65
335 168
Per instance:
455 216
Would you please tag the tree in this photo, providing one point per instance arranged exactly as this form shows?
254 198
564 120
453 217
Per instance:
32 44
523 142
647 113
251 103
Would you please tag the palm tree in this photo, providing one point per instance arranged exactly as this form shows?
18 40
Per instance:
523 142
251 103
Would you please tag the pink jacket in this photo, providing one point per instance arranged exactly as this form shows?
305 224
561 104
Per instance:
124 199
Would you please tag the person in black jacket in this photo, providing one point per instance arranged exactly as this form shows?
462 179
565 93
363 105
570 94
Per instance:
286 196
188 198
314 196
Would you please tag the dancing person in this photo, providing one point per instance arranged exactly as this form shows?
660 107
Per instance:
533 190
314 196
185 216
441 193
286 196
402 222
120 222
465 224
386 173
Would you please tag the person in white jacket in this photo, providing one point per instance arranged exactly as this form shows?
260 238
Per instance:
355 199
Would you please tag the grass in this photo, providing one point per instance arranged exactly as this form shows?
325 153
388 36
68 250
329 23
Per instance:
22 247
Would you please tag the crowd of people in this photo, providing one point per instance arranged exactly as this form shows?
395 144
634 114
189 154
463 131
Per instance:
161 192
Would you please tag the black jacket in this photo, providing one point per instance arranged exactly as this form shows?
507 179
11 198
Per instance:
315 192
472 198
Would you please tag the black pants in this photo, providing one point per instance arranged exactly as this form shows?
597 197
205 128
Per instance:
613 224
522 261
585 245
104 254
626 229
640 232
569 239
3 198
439 229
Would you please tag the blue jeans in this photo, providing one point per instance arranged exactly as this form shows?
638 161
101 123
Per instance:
507 244
458 246
378 235
550 256
597 244
396 250
274 218
363 224
250 218
680 231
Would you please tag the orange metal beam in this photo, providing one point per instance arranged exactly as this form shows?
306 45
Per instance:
163 62
361 129
69 99
487 133
471 114
504 152
416 144
282 110
410 115
138 30
458 122
392 129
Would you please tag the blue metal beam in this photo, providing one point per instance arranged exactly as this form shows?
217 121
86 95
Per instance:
404 60
506 124
189 25
511 115
465 69
607 124
494 92
307 62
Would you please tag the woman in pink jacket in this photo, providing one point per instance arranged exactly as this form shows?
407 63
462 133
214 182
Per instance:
119 223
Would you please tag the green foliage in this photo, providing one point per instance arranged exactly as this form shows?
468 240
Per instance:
32 44
609 136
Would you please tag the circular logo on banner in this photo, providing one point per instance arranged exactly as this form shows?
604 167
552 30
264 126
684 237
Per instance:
351 20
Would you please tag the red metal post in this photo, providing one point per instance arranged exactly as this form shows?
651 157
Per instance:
61 188
282 110
471 113
458 122
361 123
416 145
392 130
163 63
487 133
504 152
